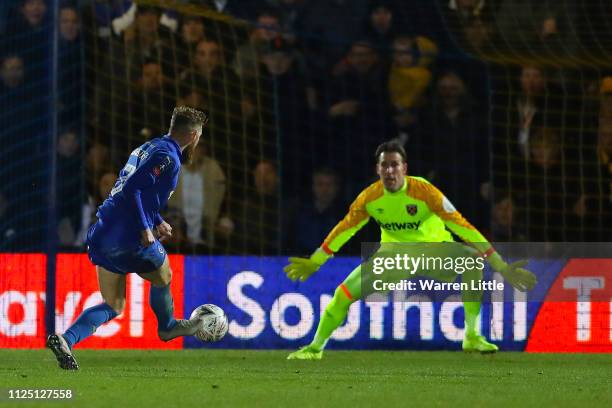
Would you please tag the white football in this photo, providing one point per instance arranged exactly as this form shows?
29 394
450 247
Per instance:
213 324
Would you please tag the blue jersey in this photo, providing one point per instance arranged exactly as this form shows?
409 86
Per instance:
143 188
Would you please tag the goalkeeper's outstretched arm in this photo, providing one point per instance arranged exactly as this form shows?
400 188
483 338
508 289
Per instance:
514 273
355 219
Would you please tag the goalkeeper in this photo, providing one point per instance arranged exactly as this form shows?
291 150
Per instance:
408 209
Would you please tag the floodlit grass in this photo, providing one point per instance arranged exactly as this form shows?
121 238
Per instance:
211 378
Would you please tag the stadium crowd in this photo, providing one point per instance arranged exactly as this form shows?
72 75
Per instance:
503 105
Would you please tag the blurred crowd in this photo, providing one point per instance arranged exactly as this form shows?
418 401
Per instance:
504 105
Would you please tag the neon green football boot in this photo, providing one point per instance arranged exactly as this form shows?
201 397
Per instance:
306 353
478 343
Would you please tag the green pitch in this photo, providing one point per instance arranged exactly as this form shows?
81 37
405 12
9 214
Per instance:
211 378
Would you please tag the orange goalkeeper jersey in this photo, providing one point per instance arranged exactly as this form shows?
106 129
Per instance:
418 212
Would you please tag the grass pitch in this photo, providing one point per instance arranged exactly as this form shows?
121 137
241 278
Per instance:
246 378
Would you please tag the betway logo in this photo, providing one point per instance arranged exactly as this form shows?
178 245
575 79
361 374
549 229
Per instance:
399 226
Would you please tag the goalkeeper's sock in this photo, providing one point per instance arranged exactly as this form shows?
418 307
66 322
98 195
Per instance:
471 311
332 318
88 322
162 304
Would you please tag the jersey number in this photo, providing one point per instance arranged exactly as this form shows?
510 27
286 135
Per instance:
125 174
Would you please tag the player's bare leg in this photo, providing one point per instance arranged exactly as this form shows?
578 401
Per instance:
112 288
162 303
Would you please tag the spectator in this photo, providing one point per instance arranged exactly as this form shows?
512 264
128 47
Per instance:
291 14
14 96
107 181
124 12
533 87
267 28
146 116
147 40
208 65
504 226
556 34
595 206
551 200
408 80
329 27
69 186
12 73
361 64
464 10
70 68
199 196
191 32
469 23
99 191
453 149
258 232
29 38
605 100
24 152
515 115
69 25
359 113
97 162
418 18
17 105
27 29
604 151
381 26
286 96
99 15
523 25
226 104
315 217
477 35
226 32
144 41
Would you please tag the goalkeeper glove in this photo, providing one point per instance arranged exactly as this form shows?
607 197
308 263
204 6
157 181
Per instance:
515 273
302 268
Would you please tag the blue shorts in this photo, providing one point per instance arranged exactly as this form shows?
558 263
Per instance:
122 259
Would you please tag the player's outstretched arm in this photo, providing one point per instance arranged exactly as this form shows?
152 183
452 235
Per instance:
515 273
302 268
355 219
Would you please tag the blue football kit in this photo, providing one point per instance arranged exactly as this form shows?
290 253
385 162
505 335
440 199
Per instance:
142 189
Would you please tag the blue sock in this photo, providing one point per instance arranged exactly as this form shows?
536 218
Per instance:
88 322
162 304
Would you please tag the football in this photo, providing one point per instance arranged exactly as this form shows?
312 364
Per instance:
214 322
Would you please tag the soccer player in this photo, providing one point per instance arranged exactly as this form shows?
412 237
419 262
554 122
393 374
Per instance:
425 214
122 240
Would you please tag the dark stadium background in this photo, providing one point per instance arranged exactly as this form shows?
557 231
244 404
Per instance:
504 105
